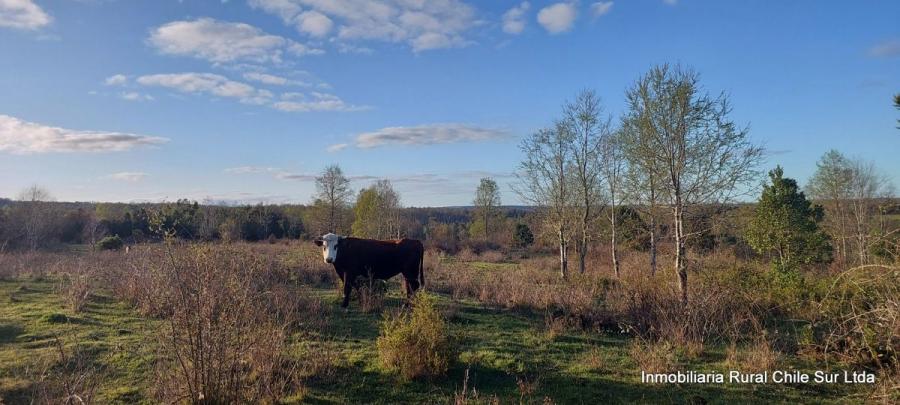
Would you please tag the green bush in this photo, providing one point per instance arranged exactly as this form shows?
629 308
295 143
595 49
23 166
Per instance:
110 243
416 343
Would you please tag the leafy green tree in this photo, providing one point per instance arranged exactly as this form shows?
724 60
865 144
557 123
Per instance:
522 237
786 225
366 222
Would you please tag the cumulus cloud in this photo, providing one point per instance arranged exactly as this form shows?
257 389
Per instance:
22 14
314 101
314 23
514 18
116 80
558 18
886 49
220 41
132 177
427 135
423 25
601 8
208 83
23 137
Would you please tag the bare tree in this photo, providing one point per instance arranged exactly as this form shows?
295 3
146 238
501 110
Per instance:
35 216
333 195
866 186
643 178
487 207
544 176
705 157
612 167
831 184
582 119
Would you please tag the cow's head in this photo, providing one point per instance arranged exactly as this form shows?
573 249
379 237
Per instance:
329 245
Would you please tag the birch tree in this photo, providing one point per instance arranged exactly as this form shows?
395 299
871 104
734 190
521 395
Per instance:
544 181
586 126
704 156
612 167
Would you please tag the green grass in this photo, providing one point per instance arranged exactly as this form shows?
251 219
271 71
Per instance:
500 348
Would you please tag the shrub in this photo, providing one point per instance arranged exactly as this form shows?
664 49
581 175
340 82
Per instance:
110 243
416 343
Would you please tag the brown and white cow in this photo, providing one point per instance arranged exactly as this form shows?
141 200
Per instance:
380 259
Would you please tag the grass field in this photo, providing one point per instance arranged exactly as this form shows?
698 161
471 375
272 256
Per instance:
510 356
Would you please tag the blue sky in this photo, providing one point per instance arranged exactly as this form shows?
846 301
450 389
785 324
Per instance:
245 100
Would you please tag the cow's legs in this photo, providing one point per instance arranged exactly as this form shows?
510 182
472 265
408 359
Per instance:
348 288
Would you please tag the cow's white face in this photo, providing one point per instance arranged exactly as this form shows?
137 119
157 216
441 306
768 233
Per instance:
329 245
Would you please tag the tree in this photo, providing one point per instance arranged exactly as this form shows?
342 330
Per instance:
522 237
487 209
704 157
831 184
612 167
582 119
643 178
377 212
34 215
544 181
332 197
786 224
897 106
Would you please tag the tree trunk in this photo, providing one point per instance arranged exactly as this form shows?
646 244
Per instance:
652 245
615 252
680 253
563 255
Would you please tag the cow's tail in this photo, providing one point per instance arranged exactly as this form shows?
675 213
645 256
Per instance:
422 270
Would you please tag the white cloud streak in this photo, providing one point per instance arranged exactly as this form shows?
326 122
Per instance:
886 49
601 8
115 80
132 177
514 18
22 15
208 83
315 101
23 137
427 135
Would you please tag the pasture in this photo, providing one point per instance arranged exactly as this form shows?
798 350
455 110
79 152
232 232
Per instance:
95 324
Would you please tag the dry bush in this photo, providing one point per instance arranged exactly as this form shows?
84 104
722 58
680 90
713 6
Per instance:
71 377
858 318
432 261
469 395
756 357
222 343
76 288
467 255
492 256
416 343
371 293
653 356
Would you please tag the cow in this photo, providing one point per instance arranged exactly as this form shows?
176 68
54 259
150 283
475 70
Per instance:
378 259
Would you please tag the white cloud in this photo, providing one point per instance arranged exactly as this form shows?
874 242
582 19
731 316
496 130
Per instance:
115 80
337 147
314 23
887 49
601 8
514 18
208 83
132 177
274 80
314 102
22 14
220 41
23 137
427 135
135 96
558 18
423 25
249 170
